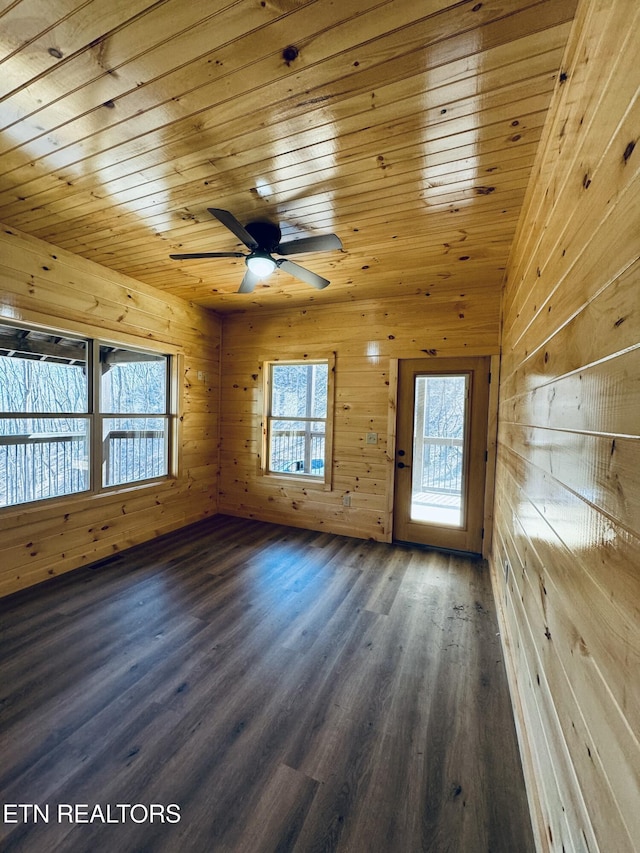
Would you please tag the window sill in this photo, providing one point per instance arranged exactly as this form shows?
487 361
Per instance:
68 503
302 480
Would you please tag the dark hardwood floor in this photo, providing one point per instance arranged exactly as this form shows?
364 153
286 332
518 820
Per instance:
288 690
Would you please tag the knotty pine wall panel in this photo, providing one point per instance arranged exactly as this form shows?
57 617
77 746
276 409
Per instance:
366 337
566 555
43 285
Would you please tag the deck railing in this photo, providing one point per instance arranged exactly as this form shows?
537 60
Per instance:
440 465
297 451
34 466
134 454
42 465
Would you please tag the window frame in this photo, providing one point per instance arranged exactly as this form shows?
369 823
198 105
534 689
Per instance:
324 482
98 457
95 417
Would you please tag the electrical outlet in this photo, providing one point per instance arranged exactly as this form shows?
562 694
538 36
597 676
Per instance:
372 438
346 500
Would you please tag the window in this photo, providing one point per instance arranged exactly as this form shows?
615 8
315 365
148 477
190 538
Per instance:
77 415
44 423
133 409
298 418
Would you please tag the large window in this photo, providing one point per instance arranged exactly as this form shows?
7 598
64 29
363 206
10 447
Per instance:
77 415
298 418
134 414
44 423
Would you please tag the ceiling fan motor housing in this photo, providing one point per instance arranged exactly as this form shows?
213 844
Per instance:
266 234
262 238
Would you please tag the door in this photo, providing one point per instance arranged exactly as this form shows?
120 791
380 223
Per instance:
441 452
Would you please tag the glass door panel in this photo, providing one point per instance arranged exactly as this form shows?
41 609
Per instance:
438 465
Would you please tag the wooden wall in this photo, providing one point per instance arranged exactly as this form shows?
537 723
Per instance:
43 285
566 560
366 337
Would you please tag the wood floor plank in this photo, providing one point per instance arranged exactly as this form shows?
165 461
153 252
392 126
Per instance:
290 690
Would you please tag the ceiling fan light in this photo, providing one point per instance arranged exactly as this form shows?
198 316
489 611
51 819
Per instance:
261 264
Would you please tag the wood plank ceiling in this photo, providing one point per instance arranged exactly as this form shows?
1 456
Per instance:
407 127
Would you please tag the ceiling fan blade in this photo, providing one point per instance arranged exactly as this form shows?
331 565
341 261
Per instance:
229 220
248 282
321 243
207 255
303 274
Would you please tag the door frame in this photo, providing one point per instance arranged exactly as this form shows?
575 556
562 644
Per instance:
491 444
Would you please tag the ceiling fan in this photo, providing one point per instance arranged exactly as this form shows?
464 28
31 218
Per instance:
262 239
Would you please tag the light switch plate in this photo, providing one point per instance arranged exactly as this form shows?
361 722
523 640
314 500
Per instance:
372 438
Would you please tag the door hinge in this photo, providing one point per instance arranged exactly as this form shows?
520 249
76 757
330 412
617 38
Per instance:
486 456
489 377
483 532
